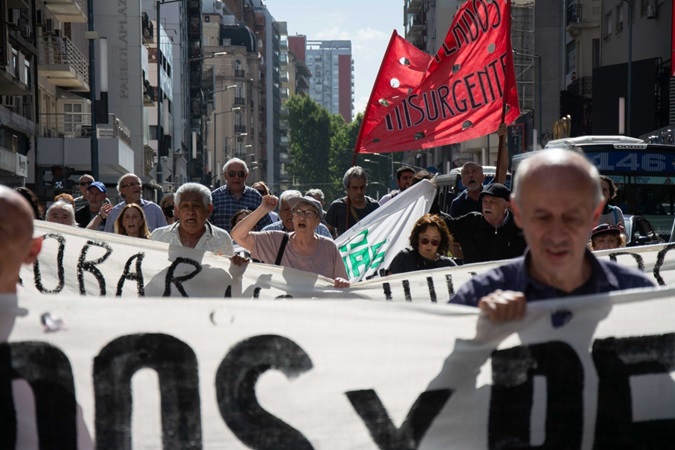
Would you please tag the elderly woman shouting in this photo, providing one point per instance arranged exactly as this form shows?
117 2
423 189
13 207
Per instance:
302 249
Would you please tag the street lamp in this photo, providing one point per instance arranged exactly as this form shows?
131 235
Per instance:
215 91
374 162
215 133
212 55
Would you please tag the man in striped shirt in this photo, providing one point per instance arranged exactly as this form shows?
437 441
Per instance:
235 196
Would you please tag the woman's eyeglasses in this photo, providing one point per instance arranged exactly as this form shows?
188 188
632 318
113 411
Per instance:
309 213
434 242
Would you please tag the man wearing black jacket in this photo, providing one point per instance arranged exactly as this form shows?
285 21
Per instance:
491 235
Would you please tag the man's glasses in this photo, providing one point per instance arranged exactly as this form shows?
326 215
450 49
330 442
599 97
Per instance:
426 241
232 174
85 183
302 213
132 184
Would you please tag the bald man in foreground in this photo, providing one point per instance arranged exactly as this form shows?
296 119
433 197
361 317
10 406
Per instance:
19 247
556 202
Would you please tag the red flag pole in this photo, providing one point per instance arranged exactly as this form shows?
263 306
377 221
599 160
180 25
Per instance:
359 138
502 151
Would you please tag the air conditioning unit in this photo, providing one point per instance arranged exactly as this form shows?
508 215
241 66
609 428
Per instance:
652 12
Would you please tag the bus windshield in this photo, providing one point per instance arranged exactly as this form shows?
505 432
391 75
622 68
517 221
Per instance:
643 173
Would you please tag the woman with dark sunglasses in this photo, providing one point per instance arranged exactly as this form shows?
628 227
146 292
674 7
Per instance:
430 242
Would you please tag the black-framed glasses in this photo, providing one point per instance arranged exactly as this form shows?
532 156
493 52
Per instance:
304 213
132 184
85 183
234 173
426 241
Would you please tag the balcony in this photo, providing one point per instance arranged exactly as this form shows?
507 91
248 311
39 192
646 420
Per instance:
574 15
149 93
412 6
62 142
582 86
148 29
74 11
414 25
240 128
11 83
62 63
240 101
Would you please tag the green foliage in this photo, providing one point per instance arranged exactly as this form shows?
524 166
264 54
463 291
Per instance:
321 147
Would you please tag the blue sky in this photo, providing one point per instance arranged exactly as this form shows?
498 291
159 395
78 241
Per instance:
367 23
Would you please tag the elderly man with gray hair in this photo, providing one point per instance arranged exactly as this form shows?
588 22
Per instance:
344 212
193 205
235 196
286 215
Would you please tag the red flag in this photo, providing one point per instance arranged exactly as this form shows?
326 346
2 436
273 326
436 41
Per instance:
460 94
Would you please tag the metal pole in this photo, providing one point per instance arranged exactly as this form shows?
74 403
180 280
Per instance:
92 92
630 66
159 98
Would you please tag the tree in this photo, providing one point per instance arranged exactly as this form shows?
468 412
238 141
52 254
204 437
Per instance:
310 141
321 146
342 153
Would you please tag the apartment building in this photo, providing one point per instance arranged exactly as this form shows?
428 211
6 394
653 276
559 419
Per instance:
332 81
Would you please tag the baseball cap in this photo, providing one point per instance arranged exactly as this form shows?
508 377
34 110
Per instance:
497 190
294 201
98 185
604 228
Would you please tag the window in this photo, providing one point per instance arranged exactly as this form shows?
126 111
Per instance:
596 53
608 25
72 117
571 57
619 17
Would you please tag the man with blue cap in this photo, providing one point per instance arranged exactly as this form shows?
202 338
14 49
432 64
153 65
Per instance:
97 197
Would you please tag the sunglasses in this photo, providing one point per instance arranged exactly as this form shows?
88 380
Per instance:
132 184
302 213
85 183
232 174
434 242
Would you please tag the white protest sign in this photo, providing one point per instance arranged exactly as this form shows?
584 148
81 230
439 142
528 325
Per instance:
85 262
292 374
373 242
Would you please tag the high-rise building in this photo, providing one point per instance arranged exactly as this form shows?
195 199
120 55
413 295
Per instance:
332 81
299 73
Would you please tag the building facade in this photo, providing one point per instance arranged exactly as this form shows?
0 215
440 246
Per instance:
332 81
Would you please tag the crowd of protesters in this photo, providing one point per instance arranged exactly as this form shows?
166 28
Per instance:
251 223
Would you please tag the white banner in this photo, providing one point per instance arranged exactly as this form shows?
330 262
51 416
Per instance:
374 241
589 372
85 262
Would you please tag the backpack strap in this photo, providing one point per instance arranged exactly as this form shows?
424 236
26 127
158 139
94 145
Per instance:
282 247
